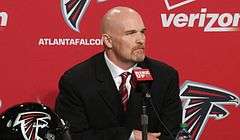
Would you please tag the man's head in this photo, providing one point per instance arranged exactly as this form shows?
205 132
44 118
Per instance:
123 36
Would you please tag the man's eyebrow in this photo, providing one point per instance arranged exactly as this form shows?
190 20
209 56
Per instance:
130 31
134 31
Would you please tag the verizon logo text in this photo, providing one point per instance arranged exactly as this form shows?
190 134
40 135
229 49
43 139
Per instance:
210 22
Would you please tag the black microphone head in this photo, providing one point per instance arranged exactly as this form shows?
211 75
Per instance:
143 88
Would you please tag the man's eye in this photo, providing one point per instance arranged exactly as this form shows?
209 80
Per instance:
130 32
143 31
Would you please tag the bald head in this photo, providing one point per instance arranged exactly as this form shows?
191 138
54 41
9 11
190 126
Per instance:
123 34
117 18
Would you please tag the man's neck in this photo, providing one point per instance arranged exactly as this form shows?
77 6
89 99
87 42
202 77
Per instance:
120 64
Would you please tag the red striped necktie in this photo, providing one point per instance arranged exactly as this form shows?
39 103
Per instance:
123 90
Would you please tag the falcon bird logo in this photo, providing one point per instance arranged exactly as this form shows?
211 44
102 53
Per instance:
31 122
203 102
73 11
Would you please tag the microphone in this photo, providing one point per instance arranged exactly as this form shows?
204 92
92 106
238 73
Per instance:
141 79
142 75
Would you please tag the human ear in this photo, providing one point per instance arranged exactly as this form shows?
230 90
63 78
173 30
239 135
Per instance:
107 40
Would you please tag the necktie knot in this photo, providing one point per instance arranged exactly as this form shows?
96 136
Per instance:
124 76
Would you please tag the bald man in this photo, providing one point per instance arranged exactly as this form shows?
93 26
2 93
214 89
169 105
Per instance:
97 98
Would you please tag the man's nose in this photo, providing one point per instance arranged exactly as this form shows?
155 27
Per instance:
140 39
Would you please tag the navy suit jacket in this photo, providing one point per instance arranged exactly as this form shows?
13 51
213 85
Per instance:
90 102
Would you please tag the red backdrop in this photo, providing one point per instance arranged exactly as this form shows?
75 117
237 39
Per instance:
30 70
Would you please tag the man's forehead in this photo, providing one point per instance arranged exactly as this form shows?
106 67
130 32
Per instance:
128 23
132 24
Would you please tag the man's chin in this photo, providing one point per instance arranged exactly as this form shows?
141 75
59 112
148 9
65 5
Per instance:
139 58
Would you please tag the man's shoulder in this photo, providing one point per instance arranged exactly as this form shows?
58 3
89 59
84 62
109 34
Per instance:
83 68
156 64
159 67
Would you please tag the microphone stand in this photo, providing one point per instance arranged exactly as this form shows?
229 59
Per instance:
144 116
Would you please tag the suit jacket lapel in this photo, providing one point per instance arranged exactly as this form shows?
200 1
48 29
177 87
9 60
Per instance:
106 86
134 110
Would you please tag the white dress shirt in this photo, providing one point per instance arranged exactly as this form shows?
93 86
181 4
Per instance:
117 71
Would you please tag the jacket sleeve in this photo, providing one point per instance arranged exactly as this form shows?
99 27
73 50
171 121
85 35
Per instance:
70 107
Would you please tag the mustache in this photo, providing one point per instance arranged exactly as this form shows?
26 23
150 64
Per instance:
138 47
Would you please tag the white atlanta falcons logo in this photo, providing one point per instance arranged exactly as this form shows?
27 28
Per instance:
202 102
31 122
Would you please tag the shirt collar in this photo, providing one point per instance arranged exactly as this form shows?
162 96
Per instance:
114 69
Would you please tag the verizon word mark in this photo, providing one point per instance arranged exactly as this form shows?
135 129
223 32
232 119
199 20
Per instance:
210 22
